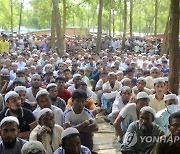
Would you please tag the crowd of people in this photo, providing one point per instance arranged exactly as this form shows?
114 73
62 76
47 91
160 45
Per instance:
49 103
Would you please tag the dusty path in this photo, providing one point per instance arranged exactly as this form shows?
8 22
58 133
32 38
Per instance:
104 140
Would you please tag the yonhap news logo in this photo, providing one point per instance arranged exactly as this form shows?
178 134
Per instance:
131 138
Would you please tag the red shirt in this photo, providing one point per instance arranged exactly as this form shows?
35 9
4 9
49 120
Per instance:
66 94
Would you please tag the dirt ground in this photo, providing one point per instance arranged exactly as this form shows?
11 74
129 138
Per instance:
105 141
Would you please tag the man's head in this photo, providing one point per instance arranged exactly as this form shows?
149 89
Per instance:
104 76
36 81
174 124
159 84
171 103
9 131
48 76
141 83
142 100
154 72
82 86
77 78
126 93
43 99
71 141
21 90
33 147
12 100
52 89
46 118
146 117
78 99
67 73
60 81
112 77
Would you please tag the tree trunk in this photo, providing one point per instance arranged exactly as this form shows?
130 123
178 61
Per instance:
165 47
156 18
58 28
174 47
64 17
99 26
140 12
110 5
125 24
113 24
131 16
20 17
53 29
11 16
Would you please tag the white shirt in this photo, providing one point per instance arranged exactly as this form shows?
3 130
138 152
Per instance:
118 104
56 111
29 94
72 118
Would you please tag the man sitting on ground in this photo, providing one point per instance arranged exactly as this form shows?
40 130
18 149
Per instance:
9 141
71 143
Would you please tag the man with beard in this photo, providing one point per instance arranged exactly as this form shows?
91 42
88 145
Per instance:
44 101
141 135
9 141
13 108
170 143
56 101
47 132
31 92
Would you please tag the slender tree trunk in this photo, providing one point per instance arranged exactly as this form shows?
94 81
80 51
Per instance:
110 14
11 16
131 16
113 24
174 47
125 25
165 47
58 28
53 29
140 7
156 18
20 17
64 17
99 26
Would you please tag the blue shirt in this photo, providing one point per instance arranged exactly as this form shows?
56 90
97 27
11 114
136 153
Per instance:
84 150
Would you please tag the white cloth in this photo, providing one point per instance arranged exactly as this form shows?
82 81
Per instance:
56 111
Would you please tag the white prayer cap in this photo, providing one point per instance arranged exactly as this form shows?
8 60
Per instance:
51 85
68 61
148 109
69 131
166 79
48 65
119 72
157 80
44 111
32 147
111 73
9 119
19 88
42 92
14 63
76 75
10 94
154 68
125 80
5 70
124 88
170 96
142 95
35 55
141 79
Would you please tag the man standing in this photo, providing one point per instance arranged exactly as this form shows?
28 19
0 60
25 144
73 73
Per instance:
9 141
4 44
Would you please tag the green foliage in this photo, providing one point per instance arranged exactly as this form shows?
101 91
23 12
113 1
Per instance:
84 13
